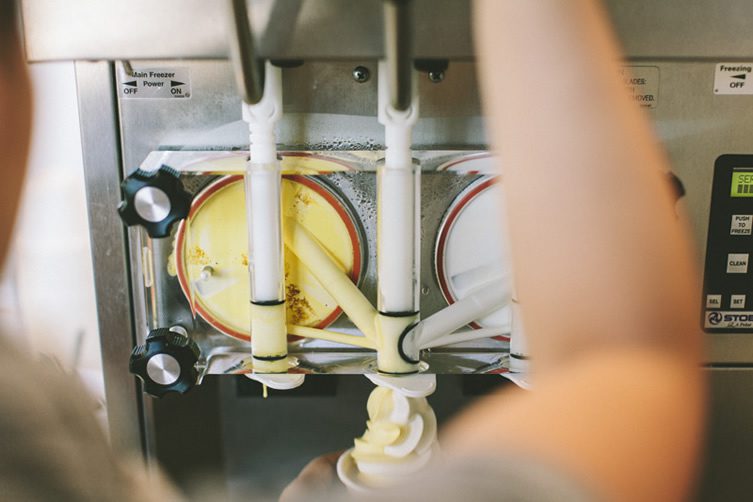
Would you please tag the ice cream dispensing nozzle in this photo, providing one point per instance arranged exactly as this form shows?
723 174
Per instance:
166 362
155 200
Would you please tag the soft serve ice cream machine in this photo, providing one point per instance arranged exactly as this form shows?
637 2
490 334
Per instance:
324 202
286 263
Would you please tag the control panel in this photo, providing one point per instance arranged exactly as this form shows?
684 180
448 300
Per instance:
728 276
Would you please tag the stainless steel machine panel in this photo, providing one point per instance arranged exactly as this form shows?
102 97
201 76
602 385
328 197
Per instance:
223 354
96 29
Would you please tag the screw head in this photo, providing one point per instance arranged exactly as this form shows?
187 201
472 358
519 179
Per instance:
361 74
436 76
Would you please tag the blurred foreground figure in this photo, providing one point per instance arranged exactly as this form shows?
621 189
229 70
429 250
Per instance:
51 446
617 410
604 268
604 272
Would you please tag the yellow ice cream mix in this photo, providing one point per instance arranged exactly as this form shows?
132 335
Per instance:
211 255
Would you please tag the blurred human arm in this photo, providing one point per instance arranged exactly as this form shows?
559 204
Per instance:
51 446
318 477
15 122
604 268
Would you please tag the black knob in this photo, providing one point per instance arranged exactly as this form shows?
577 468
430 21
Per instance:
155 200
165 363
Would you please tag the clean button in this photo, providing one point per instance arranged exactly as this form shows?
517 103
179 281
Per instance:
737 263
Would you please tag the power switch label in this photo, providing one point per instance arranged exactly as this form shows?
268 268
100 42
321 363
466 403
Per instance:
154 83
733 78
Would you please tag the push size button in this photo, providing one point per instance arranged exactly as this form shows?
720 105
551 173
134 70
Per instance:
737 301
737 263
742 224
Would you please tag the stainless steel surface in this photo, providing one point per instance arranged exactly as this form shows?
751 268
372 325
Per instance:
725 475
152 204
684 29
398 51
163 369
337 29
694 124
101 147
331 29
222 354
249 69
163 307
97 29
325 109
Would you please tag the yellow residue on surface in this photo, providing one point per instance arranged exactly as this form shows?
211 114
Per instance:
298 306
304 198
218 236
197 256
296 164
172 269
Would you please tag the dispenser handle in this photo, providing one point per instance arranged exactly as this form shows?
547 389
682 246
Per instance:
398 50
249 70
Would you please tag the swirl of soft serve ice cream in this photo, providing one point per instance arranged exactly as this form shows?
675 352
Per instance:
400 440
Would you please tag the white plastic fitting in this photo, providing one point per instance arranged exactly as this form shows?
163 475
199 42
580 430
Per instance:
479 302
278 382
519 357
397 215
422 385
264 214
397 231
262 118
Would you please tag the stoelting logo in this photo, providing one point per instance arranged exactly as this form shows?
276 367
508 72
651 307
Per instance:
730 319
715 318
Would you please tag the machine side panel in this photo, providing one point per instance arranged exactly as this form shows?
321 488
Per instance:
101 155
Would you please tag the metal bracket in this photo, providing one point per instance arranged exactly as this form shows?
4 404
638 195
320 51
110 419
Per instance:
249 70
398 49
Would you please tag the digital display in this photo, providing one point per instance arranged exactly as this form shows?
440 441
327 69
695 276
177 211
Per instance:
742 184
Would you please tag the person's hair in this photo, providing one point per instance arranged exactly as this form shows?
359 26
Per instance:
8 22
7 19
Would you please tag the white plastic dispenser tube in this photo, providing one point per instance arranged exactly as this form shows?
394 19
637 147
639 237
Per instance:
335 281
396 241
264 213
398 189
265 243
476 304
519 356
464 336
